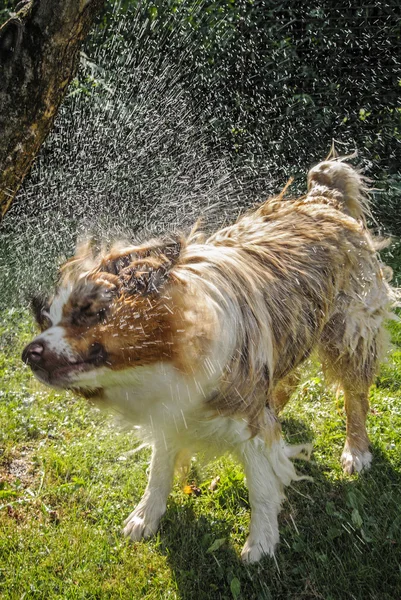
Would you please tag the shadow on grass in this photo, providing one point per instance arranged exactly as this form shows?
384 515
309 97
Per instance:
340 538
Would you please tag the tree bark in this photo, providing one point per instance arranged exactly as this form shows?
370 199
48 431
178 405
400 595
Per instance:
39 54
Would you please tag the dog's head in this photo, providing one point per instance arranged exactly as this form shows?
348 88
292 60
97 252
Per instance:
110 312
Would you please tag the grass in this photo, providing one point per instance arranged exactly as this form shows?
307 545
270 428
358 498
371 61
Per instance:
66 485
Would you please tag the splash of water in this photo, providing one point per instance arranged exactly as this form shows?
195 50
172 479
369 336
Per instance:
128 157
137 147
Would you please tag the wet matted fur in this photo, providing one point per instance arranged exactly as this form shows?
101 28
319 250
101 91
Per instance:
197 340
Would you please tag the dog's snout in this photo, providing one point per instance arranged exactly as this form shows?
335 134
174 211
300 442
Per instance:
33 353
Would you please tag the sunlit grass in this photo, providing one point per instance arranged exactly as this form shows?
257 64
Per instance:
67 485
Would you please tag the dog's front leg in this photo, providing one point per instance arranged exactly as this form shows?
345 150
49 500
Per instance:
265 496
144 521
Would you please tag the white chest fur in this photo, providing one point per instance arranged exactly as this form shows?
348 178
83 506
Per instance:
156 397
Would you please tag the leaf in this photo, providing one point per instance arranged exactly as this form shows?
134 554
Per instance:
73 485
235 587
216 545
77 483
352 500
356 518
334 532
330 508
7 493
366 537
298 545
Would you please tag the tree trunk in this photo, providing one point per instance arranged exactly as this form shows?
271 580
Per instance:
39 54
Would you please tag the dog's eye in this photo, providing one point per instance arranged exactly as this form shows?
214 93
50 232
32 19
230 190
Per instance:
88 313
102 315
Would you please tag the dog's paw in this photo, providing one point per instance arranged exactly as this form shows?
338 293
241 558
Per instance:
255 550
139 526
354 461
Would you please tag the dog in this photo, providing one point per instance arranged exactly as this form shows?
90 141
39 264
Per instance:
197 340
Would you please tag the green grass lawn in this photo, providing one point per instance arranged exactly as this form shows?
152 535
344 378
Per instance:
67 485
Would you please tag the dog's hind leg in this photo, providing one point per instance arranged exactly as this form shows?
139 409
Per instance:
144 521
354 368
356 455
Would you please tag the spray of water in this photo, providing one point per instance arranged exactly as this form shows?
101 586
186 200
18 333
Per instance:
137 148
128 157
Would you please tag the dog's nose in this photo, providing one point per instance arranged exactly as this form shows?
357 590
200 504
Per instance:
33 353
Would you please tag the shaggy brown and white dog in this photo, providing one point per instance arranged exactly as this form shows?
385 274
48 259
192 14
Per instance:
196 340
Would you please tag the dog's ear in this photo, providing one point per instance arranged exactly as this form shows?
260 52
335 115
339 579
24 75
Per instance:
117 260
150 273
40 306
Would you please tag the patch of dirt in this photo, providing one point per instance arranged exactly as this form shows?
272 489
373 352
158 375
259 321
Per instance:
19 467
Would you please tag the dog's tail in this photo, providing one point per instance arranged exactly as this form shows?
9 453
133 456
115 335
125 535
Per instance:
335 179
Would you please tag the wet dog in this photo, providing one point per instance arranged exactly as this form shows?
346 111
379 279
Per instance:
197 340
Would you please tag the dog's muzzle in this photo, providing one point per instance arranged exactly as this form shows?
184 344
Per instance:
53 368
